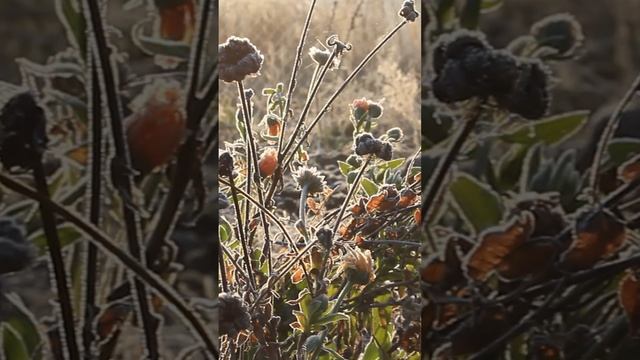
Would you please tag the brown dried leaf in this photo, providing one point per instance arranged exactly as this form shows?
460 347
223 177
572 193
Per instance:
530 258
629 298
383 201
496 243
602 235
630 170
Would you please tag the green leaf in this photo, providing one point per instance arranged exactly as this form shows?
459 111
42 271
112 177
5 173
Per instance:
371 351
25 324
369 186
70 14
344 168
491 5
622 149
331 318
392 164
14 347
67 233
551 130
480 206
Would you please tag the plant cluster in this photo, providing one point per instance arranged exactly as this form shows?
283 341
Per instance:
525 256
332 281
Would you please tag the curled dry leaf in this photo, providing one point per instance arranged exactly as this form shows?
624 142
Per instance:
629 298
407 198
497 243
630 170
599 237
445 271
532 257
383 201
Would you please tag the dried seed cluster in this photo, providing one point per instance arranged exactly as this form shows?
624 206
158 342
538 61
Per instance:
466 66
367 144
237 59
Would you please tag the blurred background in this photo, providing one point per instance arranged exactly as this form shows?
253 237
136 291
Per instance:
274 26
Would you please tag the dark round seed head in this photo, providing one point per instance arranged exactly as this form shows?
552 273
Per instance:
237 59
375 110
234 315
386 151
225 164
530 97
366 144
408 11
23 136
325 238
491 72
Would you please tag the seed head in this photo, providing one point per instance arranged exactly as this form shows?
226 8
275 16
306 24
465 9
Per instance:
357 266
366 144
386 151
237 59
23 136
530 97
362 107
321 57
325 238
309 177
408 11
234 315
225 164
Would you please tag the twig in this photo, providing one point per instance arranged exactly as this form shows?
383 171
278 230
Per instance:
98 238
607 134
57 262
122 179
435 183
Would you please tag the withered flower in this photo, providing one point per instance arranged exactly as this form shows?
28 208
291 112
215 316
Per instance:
234 315
310 178
237 59
357 266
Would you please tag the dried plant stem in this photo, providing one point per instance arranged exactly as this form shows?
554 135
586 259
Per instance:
436 181
223 273
241 233
57 262
122 176
341 88
104 243
308 102
608 133
91 262
336 307
302 210
252 156
187 156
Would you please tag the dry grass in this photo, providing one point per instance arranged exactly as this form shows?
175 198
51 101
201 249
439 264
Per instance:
274 26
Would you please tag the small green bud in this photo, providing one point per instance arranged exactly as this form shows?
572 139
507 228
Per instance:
395 134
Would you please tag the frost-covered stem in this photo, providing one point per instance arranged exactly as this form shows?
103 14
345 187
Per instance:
252 156
302 210
91 261
57 262
336 307
341 88
241 233
121 175
108 245
436 181
187 155
608 133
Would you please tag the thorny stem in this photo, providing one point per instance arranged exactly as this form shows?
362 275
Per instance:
608 133
122 176
252 155
434 186
91 262
98 238
57 262
341 88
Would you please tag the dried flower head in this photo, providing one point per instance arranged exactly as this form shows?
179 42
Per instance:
310 178
366 144
561 32
237 59
357 266
225 164
408 11
23 136
386 151
363 107
15 252
273 123
157 125
530 97
325 238
268 162
234 315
